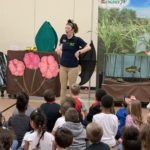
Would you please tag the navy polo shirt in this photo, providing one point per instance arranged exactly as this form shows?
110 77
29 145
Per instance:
69 47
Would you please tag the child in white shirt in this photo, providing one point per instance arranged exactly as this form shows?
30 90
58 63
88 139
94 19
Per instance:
39 138
108 121
61 120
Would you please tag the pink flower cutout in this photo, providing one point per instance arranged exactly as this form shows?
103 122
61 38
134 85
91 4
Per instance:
31 60
16 67
48 67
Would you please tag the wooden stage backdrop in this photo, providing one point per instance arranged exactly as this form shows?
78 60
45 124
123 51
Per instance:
118 90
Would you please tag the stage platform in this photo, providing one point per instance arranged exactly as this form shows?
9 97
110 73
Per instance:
118 90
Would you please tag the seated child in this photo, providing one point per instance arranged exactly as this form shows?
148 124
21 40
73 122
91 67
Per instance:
134 117
96 106
74 125
145 136
6 139
2 123
63 138
122 113
74 104
131 139
20 123
94 134
61 120
50 109
80 106
26 98
39 139
108 121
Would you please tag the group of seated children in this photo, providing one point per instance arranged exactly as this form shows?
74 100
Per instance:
70 126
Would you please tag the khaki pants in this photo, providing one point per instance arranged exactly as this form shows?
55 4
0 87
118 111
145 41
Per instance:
67 74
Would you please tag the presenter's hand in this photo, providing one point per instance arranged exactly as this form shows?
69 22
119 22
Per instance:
77 54
59 52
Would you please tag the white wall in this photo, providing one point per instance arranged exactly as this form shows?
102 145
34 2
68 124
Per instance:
16 24
21 19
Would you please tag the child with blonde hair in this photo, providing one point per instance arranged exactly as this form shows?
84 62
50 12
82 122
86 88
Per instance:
94 134
134 117
75 93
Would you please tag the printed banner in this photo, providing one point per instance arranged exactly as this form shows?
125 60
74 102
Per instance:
124 28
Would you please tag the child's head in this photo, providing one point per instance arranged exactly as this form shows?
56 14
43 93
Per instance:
23 95
22 101
75 89
37 120
145 136
65 106
128 100
63 137
6 138
72 115
131 139
49 95
70 101
148 118
99 94
94 132
135 110
107 101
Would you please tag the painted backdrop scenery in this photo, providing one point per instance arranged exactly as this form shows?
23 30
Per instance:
124 30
